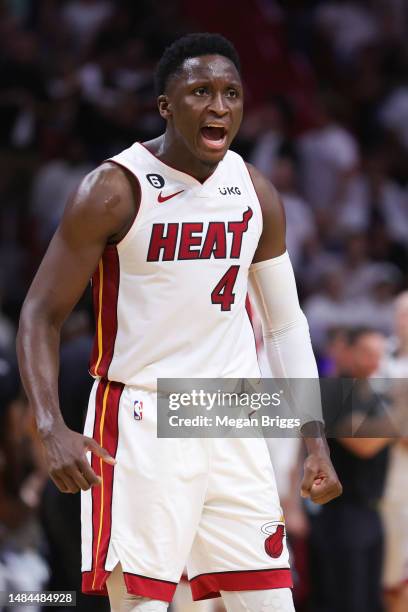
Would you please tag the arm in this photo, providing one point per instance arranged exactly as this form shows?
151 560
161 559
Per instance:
286 334
101 210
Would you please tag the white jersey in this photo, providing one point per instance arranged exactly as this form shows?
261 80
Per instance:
170 297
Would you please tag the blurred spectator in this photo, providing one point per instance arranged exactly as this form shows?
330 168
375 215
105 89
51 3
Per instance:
361 273
22 478
327 307
347 534
374 198
378 304
22 91
83 19
317 262
395 503
300 226
329 159
348 25
269 127
393 16
335 359
54 182
7 329
97 79
135 70
394 113
351 297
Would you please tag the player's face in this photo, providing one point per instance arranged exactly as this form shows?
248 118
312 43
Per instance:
204 106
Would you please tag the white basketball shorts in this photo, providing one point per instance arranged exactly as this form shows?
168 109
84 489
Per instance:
210 504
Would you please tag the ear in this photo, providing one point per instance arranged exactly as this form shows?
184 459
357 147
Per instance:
164 106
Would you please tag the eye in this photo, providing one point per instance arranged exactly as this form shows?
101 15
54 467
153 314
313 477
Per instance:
232 93
201 91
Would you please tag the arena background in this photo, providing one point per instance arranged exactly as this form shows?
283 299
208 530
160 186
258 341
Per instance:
326 118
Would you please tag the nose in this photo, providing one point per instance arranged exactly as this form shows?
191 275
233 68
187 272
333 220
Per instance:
218 105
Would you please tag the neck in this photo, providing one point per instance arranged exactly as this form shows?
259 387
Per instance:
175 154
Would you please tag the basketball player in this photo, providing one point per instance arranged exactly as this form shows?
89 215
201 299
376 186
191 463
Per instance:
171 230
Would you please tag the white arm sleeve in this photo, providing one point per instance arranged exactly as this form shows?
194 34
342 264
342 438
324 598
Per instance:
285 329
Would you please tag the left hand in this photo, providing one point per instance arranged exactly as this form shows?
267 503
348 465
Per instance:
320 482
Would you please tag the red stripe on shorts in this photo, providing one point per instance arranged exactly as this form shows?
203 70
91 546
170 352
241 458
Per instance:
105 291
206 586
106 432
163 590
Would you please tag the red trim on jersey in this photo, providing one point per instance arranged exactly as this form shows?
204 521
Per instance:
248 307
105 291
163 590
106 433
207 586
95 285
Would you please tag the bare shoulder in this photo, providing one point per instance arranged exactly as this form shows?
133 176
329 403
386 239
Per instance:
266 192
106 201
272 242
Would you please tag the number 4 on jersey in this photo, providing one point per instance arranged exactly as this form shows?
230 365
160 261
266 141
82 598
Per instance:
223 291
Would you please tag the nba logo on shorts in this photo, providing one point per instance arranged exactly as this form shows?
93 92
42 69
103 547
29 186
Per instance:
138 410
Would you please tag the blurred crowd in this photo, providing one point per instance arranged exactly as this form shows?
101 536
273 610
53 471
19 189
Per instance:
326 120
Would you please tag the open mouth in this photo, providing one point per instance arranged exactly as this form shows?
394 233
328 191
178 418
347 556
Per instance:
214 136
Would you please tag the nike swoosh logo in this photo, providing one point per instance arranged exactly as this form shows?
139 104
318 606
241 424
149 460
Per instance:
162 199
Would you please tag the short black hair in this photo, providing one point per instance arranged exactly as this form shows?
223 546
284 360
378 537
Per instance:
192 45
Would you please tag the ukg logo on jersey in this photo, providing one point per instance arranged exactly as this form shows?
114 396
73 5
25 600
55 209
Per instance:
229 190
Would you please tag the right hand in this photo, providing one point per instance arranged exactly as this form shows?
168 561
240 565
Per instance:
66 460
320 482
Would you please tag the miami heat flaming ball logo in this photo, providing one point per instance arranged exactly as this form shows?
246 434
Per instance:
138 410
274 542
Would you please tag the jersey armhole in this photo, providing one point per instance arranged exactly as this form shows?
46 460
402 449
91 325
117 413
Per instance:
124 240
252 190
